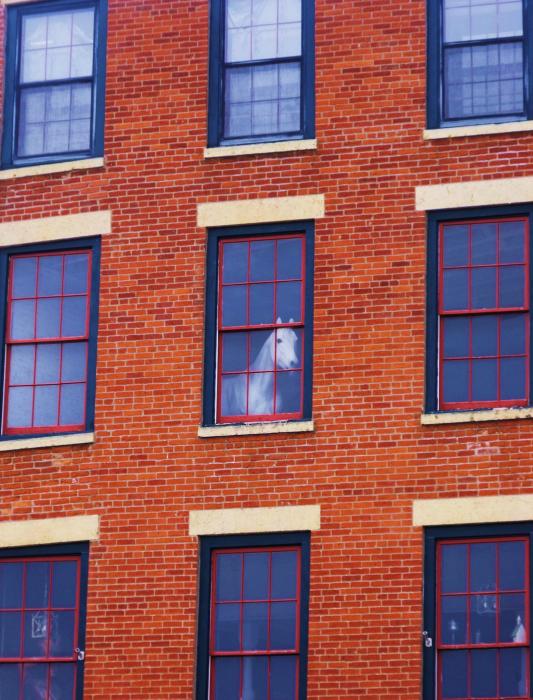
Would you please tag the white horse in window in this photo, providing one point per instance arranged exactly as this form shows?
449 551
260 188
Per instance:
260 393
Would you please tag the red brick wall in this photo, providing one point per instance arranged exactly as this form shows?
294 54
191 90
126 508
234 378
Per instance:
369 457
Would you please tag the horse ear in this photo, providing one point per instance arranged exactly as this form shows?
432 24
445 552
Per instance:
278 319
291 320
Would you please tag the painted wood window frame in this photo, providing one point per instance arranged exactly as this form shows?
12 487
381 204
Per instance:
211 350
78 552
433 538
435 73
433 317
208 547
15 13
6 254
216 101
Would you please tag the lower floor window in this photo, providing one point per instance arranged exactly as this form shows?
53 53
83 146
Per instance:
254 616
42 599
478 613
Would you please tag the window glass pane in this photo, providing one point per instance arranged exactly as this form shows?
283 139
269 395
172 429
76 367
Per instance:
227 678
262 350
484 335
265 117
513 334
21 364
238 89
48 314
234 395
256 575
454 568
10 635
255 626
255 678
9 681
512 242
22 320
37 584
76 274
74 317
483 566
289 392
484 380
513 378
235 262
289 301
62 681
34 29
290 39
284 574
10 585
33 66
455 245
74 363
72 409
290 258
454 669
238 13
453 619
455 289
19 407
227 627
483 244
238 120
262 260
81 100
264 11
234 352
24 277
64 584
485 19
456 337
283 677
513 672
35 681
483 619
48 357
59 29
229 576
283 626
290 10
49 278
484 288
512 286
455 381
261 394
289 80
46 405
456 23
265 86
264 41
239 44
81 61
62 635
484 673
512 618
261 303
512 565
36 630
83 26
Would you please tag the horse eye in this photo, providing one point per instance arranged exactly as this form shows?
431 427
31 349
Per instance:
279 340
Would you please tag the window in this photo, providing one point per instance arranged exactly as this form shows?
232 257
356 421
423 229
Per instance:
55 71
50 338
42 622
477 612
261 71
478 58
259 324
253 617
479 312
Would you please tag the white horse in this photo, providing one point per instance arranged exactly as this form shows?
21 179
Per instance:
260 392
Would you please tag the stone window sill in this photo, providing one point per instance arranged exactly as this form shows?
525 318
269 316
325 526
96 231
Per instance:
302 426
48 441
50 168
252 149
477 130
480 416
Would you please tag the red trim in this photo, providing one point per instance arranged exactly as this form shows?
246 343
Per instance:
35 342
468 646
223 331
242 653
470 313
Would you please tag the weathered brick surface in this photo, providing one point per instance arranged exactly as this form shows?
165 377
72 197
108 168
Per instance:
369 457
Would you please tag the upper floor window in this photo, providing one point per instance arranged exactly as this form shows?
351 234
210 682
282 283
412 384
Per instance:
483 313
478 59
258 363
49 340
261 71
54 82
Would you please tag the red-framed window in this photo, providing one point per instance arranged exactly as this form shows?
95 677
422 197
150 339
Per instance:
47 337
39 622
254 636
483 618
261 321
484 313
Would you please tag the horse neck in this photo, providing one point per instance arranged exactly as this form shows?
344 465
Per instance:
265 358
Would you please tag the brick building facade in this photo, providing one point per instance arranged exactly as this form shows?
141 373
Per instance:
351 464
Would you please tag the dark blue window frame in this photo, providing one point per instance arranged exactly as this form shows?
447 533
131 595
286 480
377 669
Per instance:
10 159
217 80
93 244
81 550
432 536
432 285
435 82
207 546
211 306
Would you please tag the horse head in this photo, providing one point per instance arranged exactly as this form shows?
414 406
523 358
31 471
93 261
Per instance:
286 356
